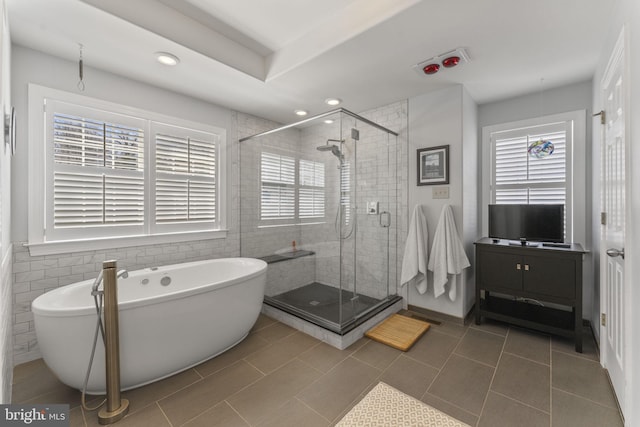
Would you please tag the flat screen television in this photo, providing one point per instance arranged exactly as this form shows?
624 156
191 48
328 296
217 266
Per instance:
537 223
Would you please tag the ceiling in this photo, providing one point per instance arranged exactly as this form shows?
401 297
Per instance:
270 57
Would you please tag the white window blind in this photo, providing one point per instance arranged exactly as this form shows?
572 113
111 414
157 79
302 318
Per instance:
186 175
345 191
521 178
98 171
278 191
311 191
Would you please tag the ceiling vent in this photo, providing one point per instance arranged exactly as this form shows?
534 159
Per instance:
448 59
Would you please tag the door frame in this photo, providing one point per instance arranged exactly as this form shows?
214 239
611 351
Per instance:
619 52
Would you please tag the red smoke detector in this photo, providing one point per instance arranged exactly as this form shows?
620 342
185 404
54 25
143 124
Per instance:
447 60
451 61
431 68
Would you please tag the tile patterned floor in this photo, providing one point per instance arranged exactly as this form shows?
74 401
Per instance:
487 375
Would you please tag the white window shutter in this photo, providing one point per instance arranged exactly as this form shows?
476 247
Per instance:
311 191
98 169
277 193
186 176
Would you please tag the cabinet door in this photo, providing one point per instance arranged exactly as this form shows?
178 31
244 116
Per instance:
499 270
550 276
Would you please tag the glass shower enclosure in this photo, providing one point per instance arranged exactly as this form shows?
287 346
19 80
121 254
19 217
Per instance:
319 201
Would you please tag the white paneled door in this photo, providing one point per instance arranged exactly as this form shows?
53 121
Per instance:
614 295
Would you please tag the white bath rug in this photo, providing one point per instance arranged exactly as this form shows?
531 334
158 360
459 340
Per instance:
388 407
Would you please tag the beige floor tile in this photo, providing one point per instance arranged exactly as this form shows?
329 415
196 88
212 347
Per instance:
149 416
581 377
570 410
262 322
275 332
464 383
450 409
504 412
33 381
76 418
208 392
409 376
484 347
143 396
337 389
324 357
377 354
528 344
433 348
294 413
453 329
249 345
264 397
221 415
490 325
567 345
272 357
524 380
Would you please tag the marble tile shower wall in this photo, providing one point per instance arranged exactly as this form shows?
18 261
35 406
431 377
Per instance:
381 176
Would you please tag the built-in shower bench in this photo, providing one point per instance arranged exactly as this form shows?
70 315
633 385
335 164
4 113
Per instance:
298 270
285 256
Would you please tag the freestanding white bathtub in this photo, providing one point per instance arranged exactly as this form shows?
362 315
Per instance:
207 308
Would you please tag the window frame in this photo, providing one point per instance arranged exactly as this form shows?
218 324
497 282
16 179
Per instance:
576 179
40 169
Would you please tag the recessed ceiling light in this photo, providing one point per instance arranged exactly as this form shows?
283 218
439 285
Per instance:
328 121
301 112
166 58
333 101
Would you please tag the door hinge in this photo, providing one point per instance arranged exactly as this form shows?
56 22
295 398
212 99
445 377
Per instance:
603 218
603 116
603 319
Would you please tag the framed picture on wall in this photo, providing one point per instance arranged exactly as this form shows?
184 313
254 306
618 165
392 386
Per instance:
433 165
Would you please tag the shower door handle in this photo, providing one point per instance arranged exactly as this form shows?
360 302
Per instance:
387 219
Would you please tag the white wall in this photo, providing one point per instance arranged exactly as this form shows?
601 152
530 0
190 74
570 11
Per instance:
6 343
627 14
563 99
446 117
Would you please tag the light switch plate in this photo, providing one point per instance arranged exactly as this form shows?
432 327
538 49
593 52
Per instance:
372 208
441 192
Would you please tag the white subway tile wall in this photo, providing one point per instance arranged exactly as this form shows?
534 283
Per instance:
6 365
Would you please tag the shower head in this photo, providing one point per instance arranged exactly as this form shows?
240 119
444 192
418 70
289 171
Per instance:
335 150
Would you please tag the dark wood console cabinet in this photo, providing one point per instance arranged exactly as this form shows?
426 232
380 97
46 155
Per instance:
531 276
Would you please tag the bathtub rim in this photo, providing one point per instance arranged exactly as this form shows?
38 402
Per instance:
41 310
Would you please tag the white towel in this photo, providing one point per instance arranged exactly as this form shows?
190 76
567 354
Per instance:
447 254
416 252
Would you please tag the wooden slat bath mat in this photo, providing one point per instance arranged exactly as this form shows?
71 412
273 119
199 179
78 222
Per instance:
398 331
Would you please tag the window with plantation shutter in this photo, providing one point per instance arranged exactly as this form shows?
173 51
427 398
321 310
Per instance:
278 187
311 190
185 175
345 191
518 177
106 172
97 172
291 191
